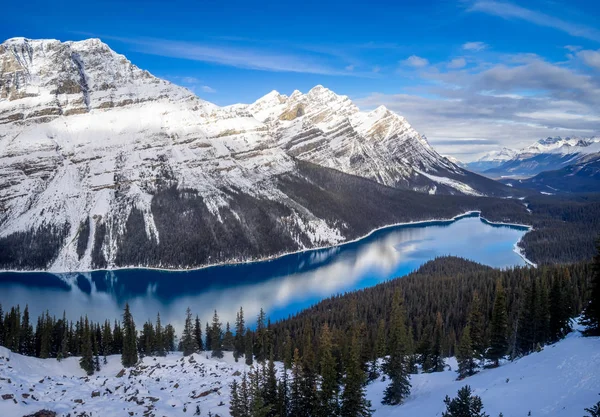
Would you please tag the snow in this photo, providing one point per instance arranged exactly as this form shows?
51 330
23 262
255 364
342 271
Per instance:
559 381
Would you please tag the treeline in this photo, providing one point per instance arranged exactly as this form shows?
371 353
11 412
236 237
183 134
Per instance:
439 300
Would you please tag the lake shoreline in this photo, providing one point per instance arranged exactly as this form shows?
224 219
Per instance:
466 214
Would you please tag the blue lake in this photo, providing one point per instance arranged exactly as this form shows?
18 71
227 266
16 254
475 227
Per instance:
281 286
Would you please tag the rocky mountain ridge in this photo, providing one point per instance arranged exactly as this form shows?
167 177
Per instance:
97 155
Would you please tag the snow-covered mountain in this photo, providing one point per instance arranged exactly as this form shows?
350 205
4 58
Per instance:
97 154
547 154
492 159
559 381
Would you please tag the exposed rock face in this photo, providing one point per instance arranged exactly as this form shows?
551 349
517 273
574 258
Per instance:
93 150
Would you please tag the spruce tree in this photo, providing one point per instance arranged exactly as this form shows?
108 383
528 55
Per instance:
236 406
26 342
270 387
593 411
260 343
258 406
464 405
296 388
560 307
499 327
188 341
328 395
248 343
87 355
437 358
169 338
591 315
129 357
396 364
240 331
228 340
216 337
353 399
477 327
465 355
207 332
159 338
117 338
198 334
283 399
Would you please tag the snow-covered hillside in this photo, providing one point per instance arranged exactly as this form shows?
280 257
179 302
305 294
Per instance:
559 381
88 140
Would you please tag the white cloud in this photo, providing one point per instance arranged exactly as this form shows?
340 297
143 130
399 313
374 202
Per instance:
457 63
511 11
590 58
376 69
474 46
416 61
350 68
573 48
207 89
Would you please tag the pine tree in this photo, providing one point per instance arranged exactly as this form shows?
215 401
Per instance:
260 345
283 399
328 395
437 359
159 338
466 355
198 334
26 343
591 315
117 338
46 336
87 355
499 327
216 337
560 307
464 405
228 340
129 357
240 331
236 407
354 402
188 341
296 388
593 411
207 332
169 338
288 350
258 406
396 364
270 387
248 343
477 327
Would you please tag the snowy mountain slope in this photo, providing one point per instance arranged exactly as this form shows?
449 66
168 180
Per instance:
544 155
559 381
492 159
97 155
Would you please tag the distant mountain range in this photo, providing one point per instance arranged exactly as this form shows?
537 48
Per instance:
104 165
548 154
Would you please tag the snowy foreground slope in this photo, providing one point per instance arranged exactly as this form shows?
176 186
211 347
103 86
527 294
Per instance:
561 380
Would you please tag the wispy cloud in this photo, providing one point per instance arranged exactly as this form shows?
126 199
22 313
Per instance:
457 63
415 61
474 46
253 56
590 58
207 89
512 11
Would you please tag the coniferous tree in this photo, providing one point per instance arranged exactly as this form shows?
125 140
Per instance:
329 392
288 350
129 357
216 337
258 406
240 331
228 340
283 399
477 327
2 330
169 338
260 343
499 327
208 334
464 405
236 408
159 338
591 315
117 338
593 411
270 387
198 334
560 302
465 355
353 399
437 357
87 355
396 364
26 343
188 341
248 343
296 388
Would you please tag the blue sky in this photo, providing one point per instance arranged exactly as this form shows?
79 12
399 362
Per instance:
471 75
